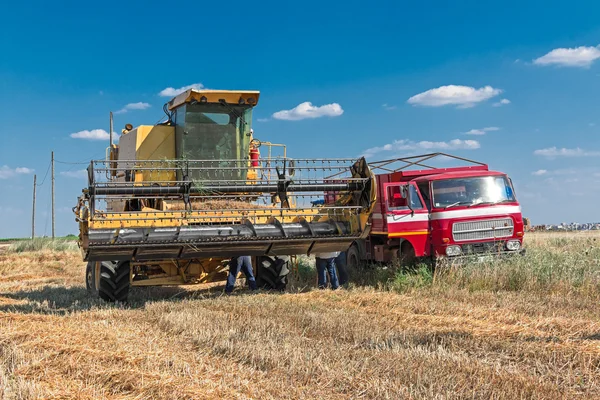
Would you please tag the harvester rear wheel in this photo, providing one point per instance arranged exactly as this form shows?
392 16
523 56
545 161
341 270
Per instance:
114 280
353 264
271 273
90 278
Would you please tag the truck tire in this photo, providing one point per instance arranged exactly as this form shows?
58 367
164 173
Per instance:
114 281
90 279
406 254
272 272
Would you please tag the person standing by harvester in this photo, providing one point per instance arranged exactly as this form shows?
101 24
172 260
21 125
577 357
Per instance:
325 263
237 264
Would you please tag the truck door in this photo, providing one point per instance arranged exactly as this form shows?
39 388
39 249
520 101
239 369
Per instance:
407 217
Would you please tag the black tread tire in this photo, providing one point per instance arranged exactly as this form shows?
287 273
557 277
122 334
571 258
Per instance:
90 279
353 264
114 281
272 272
406 255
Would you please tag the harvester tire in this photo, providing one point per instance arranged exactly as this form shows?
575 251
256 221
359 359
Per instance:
90 279
353 264
271 273
114 281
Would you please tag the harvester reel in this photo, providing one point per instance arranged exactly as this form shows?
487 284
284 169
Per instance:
272 272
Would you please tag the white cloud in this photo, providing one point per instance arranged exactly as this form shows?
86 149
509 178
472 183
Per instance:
94 134
172 92
388 107
7 172
133 106
409 145
502 102
307 110
575 57
539 172
482 131
82 173
462 96
263 119
552 152
8 210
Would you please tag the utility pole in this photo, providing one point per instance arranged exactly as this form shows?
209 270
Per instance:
52 195
33 212
111 131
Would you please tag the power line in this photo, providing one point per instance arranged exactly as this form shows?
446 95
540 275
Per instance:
47 170
71 163
85 161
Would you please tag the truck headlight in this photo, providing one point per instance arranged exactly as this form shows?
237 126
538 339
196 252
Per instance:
513 245
453 251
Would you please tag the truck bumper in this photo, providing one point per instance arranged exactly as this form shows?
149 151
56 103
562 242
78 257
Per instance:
482 257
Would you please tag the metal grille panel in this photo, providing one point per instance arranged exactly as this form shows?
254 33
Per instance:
485 229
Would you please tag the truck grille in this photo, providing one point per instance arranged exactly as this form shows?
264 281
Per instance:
486 229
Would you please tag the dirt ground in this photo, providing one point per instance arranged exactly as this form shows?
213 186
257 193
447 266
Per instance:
443 341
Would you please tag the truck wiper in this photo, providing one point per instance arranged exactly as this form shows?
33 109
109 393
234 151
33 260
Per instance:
458 203
484 203
491 202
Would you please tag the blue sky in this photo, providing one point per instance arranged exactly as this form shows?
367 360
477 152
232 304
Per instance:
398 78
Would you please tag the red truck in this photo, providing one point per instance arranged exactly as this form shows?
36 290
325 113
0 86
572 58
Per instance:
440 212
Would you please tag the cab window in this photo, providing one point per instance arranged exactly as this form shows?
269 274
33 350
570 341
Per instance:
394 198
415 200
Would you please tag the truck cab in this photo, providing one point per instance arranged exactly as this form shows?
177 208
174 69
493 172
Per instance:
441 213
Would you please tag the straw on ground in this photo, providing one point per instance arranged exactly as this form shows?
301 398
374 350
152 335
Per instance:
517 329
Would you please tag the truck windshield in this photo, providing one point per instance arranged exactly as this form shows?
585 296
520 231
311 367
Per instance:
472 191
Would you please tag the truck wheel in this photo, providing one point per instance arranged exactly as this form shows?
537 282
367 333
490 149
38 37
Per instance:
90 279
406 254
114 280
272 272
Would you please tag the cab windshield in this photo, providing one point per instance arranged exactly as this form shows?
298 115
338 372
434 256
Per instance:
214 132
472 191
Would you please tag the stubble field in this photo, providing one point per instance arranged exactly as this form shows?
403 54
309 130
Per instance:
522 328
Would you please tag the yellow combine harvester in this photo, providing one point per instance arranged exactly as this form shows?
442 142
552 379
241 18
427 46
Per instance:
173 202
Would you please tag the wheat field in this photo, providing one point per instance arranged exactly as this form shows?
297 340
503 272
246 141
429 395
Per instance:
520 328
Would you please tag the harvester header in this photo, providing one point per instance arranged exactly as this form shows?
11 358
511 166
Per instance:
190 209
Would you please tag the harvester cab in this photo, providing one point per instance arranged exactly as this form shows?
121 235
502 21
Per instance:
173 201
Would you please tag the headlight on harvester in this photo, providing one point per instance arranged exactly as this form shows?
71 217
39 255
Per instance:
453 251
513 245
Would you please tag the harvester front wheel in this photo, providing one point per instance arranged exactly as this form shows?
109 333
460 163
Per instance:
114 280
272 272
